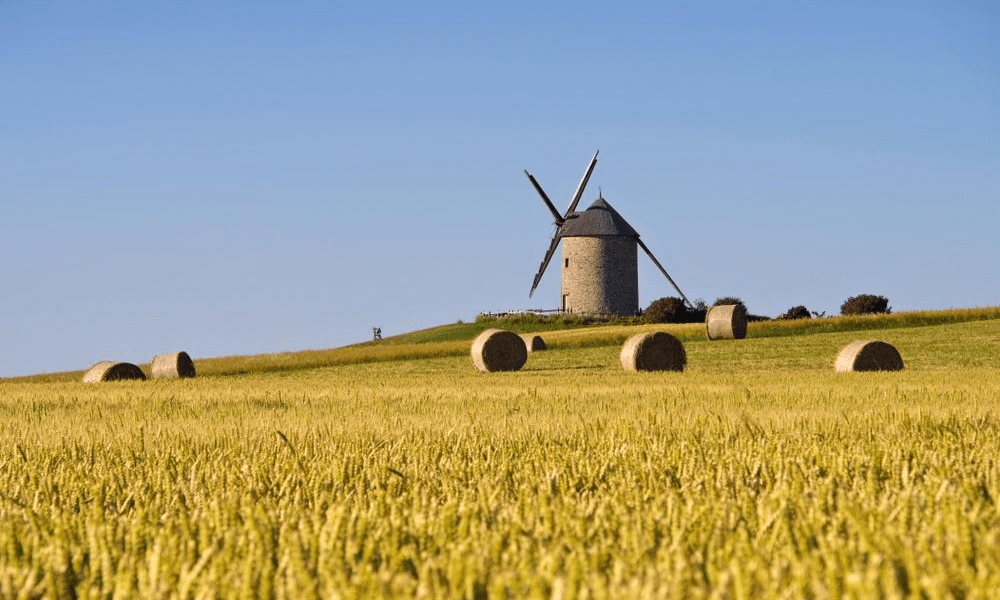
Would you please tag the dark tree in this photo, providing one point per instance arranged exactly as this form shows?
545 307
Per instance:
866 304
730 300
699 312
667 310
797 312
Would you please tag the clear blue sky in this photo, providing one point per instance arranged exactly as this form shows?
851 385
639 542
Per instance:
250 177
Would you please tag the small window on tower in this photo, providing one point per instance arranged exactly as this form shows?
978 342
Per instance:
567 263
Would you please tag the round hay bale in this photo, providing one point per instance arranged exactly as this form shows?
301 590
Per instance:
499 350
726 322
175 364
654 351
533 342
868 355
107 370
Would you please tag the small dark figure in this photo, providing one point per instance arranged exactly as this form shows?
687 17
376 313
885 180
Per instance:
377 332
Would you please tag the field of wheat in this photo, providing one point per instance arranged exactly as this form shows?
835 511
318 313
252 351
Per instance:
758 472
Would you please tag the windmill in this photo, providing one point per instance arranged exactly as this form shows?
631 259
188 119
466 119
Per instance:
600 270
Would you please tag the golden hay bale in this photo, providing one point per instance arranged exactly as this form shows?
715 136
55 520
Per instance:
868 355
533 342
499 350
175 364
654 351
726 322
107 370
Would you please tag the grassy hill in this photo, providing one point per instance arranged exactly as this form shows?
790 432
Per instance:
559 332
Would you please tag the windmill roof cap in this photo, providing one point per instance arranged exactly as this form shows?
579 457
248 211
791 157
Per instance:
600 219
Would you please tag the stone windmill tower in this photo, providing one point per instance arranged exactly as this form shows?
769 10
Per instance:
600 266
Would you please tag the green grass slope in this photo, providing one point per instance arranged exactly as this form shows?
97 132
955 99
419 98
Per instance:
454 339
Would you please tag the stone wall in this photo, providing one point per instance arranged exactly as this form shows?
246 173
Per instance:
600 275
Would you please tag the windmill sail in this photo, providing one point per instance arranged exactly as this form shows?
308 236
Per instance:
559 219
545 198
545 263
664 271
583 184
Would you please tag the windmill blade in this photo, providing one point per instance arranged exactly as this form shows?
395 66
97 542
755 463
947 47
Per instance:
545 263
664 271
545 198
583 184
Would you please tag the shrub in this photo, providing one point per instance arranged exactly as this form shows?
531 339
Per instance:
699 313
796 312
865 304
726 300
730 300
667 310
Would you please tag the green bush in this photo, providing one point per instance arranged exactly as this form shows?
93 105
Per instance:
667 310
796 312
725 300
866 304
699 312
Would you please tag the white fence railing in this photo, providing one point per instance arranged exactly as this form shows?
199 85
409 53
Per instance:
525 311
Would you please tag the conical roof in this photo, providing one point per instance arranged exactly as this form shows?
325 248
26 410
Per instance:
600 219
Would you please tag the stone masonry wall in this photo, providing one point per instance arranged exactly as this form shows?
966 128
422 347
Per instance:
600 275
